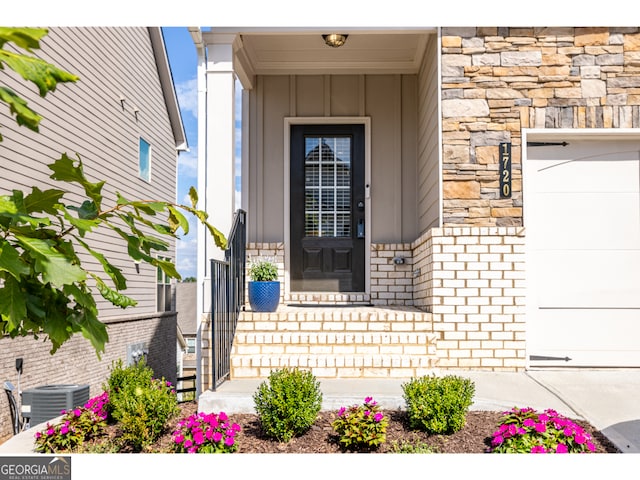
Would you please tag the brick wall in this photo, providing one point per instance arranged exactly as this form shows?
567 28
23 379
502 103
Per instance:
392 283
76 361
472 280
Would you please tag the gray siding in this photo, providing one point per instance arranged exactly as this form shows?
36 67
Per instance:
428 141
88 118
390 101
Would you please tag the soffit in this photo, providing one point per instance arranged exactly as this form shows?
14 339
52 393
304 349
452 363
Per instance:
365 52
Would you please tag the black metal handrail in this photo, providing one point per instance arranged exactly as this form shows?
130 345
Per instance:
227 298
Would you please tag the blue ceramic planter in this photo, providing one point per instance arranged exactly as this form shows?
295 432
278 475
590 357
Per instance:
264 296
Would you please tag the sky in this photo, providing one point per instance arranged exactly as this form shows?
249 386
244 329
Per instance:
183 61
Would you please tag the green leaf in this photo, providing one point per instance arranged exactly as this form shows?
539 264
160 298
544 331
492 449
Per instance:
11 262
13 308
65 170
193 196
177 220
25 38
43 201
114 273
25 116
87 211
93 330
82 225
82 297
41 73
167 267
112 296
53 265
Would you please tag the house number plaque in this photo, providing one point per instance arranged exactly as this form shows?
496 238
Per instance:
505 170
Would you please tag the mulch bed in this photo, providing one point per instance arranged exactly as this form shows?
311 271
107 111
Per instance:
475 437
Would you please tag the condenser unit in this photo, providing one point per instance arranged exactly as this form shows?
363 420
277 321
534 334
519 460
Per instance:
45 402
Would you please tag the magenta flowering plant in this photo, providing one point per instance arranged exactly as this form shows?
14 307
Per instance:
98 405
528 431
76 427
206 433
361 427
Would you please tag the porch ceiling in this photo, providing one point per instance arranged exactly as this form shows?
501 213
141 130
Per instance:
304 51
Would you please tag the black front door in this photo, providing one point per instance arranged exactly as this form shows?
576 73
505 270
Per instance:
327 208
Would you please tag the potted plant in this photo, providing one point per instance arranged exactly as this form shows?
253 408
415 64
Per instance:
264 287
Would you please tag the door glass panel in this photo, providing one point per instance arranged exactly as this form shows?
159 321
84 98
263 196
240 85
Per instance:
327 174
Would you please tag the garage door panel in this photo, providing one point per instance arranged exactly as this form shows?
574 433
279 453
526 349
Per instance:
607 220
582 215
595 279
594 335
593 176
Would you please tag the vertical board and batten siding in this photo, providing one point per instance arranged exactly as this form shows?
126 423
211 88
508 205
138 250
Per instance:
428 142
88 119
389 100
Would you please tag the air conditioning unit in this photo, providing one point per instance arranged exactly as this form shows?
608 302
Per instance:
45 402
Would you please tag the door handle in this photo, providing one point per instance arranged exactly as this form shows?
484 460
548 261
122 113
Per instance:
360 229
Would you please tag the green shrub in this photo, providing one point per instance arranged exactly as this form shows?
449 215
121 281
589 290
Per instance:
288 403
263 271
361 427
438 404
140 404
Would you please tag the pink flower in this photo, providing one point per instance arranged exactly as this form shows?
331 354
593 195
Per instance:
528 422
568 431
188 443
179 438
538 449
223 417
51 431
540 427
217 437
198 437
77 412
497 440
341 411
229 441
591 446
378 417
580 439
368 399
38 435
562 448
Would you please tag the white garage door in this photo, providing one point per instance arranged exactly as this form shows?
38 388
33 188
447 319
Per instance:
582 219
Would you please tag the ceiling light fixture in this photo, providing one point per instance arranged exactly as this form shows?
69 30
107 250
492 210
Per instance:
335 39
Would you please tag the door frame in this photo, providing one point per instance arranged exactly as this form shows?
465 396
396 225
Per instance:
288 122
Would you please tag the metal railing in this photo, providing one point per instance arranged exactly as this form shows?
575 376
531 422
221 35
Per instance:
227 298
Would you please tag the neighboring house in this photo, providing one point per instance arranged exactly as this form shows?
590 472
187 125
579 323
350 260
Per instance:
494 195
122 118
187 326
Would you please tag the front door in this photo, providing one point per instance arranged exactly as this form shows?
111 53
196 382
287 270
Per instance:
327 208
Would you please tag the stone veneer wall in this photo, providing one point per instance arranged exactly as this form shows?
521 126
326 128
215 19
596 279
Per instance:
472 280
498 80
